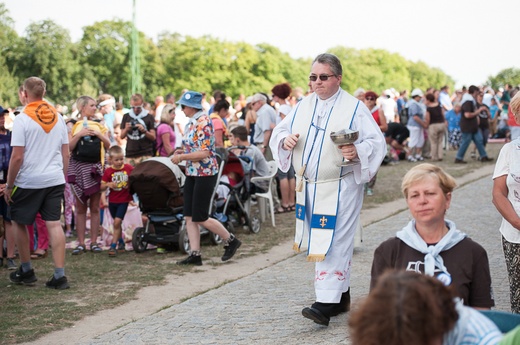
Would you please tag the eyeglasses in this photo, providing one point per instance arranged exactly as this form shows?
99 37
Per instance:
323 77
370 98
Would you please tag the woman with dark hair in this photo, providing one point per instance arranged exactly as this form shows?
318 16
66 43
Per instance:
220 112
436 123
287 180
407 308
379 117
201 178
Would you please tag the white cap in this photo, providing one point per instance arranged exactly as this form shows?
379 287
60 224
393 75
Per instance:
417 92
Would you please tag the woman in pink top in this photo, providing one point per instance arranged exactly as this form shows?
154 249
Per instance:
165 132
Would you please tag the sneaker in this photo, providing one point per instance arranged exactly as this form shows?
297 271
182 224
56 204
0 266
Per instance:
26 278
370 192
58 284
68 233
460 161
486 159
121 248
11 265
473 155
112 252
161 250
419 158
231 249
412 159
191 260
79 250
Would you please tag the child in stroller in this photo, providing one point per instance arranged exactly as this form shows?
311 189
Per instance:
233 194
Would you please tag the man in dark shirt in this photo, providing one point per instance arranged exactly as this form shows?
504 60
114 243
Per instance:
469 126
139 128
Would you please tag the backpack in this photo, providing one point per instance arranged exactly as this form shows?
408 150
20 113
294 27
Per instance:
5 150
88 150
403 115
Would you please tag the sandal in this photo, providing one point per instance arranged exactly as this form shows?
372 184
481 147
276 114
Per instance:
38 256
112 252
292 207
94 248
80 249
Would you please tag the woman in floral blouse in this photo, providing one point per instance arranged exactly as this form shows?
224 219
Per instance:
201 177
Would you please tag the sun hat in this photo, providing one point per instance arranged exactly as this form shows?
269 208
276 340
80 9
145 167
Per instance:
191 99
417 92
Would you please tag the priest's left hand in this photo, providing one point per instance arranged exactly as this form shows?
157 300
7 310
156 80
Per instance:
349 152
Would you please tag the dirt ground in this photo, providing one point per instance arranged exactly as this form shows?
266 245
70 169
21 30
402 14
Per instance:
203 279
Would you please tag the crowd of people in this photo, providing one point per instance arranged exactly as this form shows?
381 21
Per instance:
77 166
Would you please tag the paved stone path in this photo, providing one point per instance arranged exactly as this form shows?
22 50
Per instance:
265 307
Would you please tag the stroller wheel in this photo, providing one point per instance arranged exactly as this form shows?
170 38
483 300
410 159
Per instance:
138 240
184 242
254 224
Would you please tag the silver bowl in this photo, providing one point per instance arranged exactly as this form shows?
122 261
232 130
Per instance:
344 137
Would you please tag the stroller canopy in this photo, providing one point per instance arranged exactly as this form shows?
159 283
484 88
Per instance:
158 184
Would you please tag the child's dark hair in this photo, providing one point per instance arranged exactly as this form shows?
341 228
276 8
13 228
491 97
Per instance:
115 150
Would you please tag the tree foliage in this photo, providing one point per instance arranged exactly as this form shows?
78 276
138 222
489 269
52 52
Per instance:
99 63
506 76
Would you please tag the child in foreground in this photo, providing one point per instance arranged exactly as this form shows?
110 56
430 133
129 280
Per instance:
115 179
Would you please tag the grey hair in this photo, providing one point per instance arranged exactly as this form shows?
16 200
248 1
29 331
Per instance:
331 60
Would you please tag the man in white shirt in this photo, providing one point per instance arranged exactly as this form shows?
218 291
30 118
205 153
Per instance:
36 180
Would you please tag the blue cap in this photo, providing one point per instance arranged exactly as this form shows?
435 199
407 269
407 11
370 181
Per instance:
3 111
191 99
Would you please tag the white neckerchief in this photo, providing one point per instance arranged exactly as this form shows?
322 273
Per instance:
411 237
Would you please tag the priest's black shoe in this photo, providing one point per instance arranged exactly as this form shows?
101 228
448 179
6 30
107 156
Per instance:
316 315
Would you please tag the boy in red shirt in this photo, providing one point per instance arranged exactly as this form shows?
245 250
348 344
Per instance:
115 179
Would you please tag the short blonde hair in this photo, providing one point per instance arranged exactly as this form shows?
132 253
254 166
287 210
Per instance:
165 113
419 172
82 101
515 106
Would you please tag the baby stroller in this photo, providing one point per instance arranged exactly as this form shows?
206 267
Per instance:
235 207
159 184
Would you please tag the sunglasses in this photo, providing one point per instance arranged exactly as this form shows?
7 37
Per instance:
323 77
370 98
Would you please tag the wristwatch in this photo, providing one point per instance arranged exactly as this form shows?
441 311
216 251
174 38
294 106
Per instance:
8 187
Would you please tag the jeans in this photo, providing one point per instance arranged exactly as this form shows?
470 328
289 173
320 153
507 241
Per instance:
466 140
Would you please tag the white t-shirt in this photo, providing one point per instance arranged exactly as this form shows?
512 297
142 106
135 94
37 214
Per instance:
508 163
180 120
42 165
389 107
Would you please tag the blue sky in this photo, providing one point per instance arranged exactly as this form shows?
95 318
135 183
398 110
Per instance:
469 40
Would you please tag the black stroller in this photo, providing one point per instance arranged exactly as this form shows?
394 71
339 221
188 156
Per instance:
235 209
159 183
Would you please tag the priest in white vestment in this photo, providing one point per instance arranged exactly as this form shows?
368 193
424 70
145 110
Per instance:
329 196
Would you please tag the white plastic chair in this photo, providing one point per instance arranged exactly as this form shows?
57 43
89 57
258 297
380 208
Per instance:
267 196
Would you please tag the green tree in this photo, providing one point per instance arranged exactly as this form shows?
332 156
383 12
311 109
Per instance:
104 50
9 40
49 54
506 76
